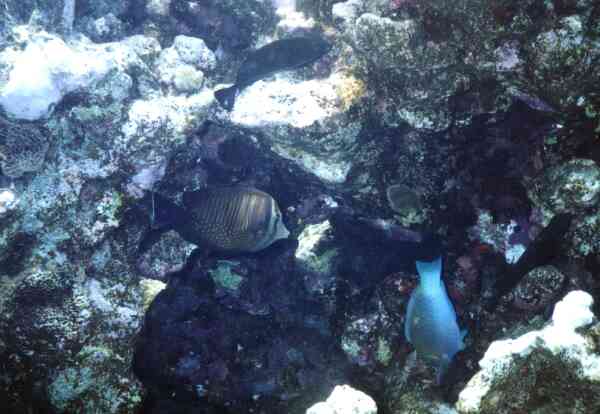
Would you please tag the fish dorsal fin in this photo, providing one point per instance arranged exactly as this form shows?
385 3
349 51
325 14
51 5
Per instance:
430 274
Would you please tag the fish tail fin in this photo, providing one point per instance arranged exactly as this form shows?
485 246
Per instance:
282 232
226 97
430 274
441 371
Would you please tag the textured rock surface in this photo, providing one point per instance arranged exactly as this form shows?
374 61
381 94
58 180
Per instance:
345 400
60 69
166 256
538 289
484 114
22 148
304 120
536 372
571 186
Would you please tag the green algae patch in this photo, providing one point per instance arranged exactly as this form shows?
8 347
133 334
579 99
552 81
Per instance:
225 277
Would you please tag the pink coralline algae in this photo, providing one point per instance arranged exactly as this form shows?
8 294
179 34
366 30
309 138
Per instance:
397 4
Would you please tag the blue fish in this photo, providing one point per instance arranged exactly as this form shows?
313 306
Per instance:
430 323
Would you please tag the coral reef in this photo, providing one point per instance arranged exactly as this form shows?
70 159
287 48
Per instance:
464 128
22 148
345 400
537 371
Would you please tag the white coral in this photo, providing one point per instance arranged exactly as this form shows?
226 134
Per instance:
560 338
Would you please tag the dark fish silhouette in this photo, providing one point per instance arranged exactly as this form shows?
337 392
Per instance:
274 57
225 219
546 247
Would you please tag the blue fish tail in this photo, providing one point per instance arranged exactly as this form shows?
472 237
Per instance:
442 369
226 97
430 274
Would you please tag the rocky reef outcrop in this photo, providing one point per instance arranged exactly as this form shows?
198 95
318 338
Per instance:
537 371
468 127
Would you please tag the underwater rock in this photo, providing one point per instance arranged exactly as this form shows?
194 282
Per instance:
586 235
499 236
568 187
383 48
232 25
99 8
574 187
157 126
348 11
60 68
564 51
194 51
98 377
538 289
108 28
413 397
48 316
145 179
59 231
228 357
538 371
369 339
228 277
167 255
345 400
316 254
182 65
218 336
388 157
8 200
23 148
546 247
372 336
77 66
292 22
52 15
90 384
303 120
407 203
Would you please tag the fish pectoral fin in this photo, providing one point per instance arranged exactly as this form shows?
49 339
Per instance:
463 334
408 318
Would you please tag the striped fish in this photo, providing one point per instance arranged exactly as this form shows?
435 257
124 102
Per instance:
232 219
